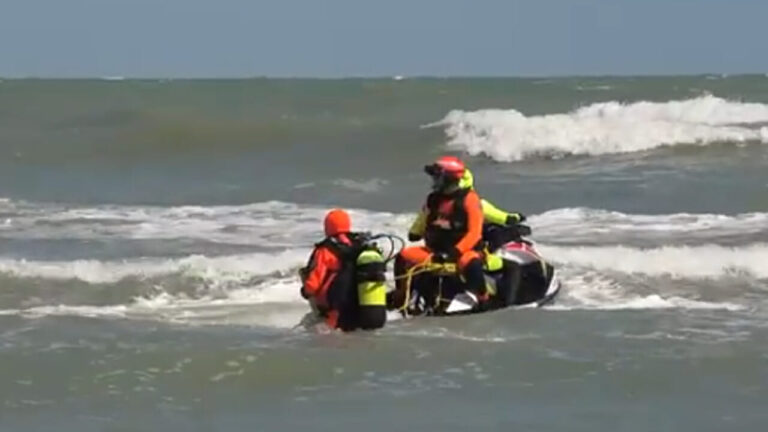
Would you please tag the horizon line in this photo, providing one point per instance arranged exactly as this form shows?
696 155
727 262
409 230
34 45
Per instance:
396 77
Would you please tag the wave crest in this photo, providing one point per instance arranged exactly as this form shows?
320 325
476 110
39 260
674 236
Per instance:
605 128
679 262
234 268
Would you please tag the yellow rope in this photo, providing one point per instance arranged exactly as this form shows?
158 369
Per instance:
426 266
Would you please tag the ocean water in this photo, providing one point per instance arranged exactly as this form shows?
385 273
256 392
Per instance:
150 233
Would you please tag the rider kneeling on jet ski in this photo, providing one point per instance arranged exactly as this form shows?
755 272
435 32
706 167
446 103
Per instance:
452 222
344 279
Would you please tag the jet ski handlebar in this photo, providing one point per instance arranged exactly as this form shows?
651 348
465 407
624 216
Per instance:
523 230
496 236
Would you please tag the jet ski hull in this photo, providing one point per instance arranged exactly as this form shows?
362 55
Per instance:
538 284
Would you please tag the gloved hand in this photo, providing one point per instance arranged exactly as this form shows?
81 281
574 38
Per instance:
304 293
515 218
413 237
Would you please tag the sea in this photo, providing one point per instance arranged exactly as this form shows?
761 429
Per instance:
151 232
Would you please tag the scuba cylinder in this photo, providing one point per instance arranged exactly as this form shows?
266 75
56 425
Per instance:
371 289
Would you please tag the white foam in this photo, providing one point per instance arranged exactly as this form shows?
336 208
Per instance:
275 302
444 333
285 225
231 268
604 128
267 224
368 186
235 287
653 301
594 87
593 290
594 223
114 311
305 185
696 262
248 305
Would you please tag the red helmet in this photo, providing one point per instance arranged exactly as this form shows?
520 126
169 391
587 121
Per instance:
448 166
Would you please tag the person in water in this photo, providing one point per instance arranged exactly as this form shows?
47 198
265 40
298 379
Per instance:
451 224
344 278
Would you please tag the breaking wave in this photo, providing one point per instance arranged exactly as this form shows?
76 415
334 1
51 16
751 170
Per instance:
605 128
232 268
588 226
597 250
594 291
683 262
265 224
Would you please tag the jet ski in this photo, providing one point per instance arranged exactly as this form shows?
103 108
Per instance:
525 280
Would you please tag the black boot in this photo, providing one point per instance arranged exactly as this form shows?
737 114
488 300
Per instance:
396 298
473 273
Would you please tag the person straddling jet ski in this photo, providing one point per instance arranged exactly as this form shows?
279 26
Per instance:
344 278
446 189
499 227
491 213
451 224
